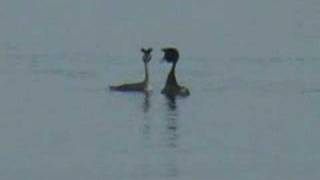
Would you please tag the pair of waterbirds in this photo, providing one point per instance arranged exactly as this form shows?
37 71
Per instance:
171 88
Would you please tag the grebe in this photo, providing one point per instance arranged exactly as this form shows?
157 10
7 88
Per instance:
143 86
172 88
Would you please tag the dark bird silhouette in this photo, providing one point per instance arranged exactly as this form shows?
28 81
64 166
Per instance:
172 88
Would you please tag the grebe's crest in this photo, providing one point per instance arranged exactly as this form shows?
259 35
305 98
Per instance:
146 55
171 55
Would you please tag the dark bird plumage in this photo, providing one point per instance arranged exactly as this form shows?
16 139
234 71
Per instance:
172 88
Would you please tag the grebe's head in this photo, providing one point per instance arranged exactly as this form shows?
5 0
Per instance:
171 55
146 54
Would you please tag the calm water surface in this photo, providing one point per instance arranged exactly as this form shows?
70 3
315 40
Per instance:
247 118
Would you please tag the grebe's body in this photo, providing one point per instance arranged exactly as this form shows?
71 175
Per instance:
143 86
172 88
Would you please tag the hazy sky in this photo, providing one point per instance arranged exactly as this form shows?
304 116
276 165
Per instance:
202 28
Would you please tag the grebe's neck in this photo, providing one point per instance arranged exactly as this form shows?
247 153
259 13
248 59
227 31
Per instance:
146 71
171 80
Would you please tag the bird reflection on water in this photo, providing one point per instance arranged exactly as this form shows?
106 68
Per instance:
172 137
146 116
146 102
167 146
171 122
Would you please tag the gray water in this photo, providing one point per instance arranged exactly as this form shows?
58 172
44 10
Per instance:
246 118
252 68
